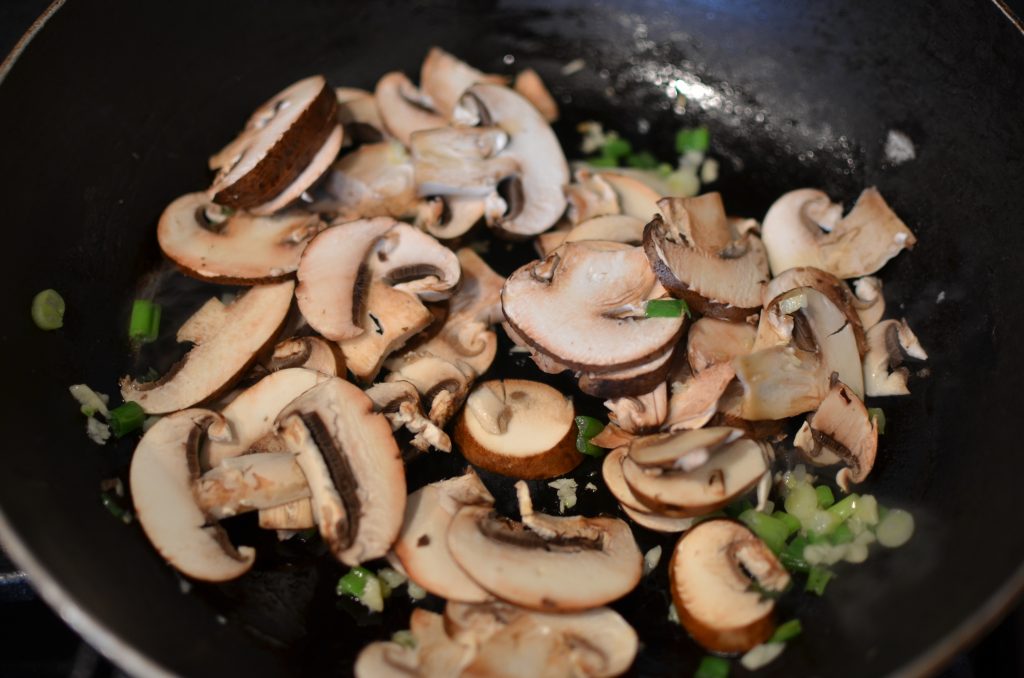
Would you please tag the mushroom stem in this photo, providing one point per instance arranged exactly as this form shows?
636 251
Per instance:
250 482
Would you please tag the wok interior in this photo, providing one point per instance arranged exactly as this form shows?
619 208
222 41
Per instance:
108 123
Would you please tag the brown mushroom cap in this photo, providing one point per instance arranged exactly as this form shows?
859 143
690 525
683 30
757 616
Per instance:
569 307
276 146
712 593
629 381
227 339
242 249
353 466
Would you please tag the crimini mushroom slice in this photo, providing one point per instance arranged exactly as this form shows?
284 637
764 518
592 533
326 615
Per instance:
841 432
399 402
444 77
834 289
888 342
629 381
657 522
333 279
479 295
611 471
250 416
731 470
529 84
163 473
695 399
295 515
316 168
403 108
583 307
312 353
442 385
457 215
779 382
372 181
533 200
518 428
358 114
711 341
636 199
680 451
422 545
868 301
227 339
724 284
386 659
250 482
803 228
466 343
461 161
391 317
277 145
589 196
237 248
541 569
353 466
642 413
612 227
414 262
713 571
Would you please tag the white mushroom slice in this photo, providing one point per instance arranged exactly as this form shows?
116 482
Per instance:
332 276
467 343
276 146
713 592
422 545
888 342
694 401
657 522
636 199
779 382
403 108
164 469
869 301
802 228
535 200
457 216
312 353
231 338
400 403
250 482
358 113
250 416
240 249
461 161
611 471
542 572
730 471
375 180
529 84
414 262
445 77
834 289
841 431
680 451
625 382
296 515
316 168
437 654
518 428
442 385
353 466
521 648
725 284
591 196
386 660
613 227
571 307
638 414
711 342
391 317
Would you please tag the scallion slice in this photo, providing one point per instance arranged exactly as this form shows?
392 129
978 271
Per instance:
817 579
787 631
791 522
667 308
712 667
692 139
825 496
616 148
588 427
845 507
642 160
792 557
48 310
144 325
126 418
876 415
353 583
772 532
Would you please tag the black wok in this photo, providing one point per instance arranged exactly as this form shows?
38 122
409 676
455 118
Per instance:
111 110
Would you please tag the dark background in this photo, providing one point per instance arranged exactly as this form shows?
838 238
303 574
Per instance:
35 642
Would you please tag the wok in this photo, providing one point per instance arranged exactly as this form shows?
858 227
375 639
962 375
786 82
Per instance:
110 111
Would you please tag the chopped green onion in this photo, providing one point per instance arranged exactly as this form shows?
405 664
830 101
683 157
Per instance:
588 427
115 509
692 139
48 310
664 169
667 308
878 416
845 507
821 523
602 161
842 535
792 523
772 531
792 557
353 583
616 148
736 509
642 160
825 496
404 638
817 580
787 631
126 418
712 667
145 321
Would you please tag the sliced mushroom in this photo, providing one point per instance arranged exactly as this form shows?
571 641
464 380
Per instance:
422 545
460 161
250 416
731 469
589 196
581 307
626 382
529 84
518 428
611 227
353 466
312 353
444 77
250 482
375 180
414 262
296 515
544 362
442 385
391 317
403 108
458 214
694 400
779 382
642 413
237 248
680 451
358 113
712 572
534 200
711 342
317 168
611 471
869 301
841 432
333 279
724 284
479 295
612 437
541 571
888 342
163 472
400 403
437 654
803 228
228 339
657 522
636 199
277 145
834 289
387 660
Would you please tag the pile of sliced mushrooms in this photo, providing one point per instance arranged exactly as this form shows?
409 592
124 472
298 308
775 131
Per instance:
364 325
